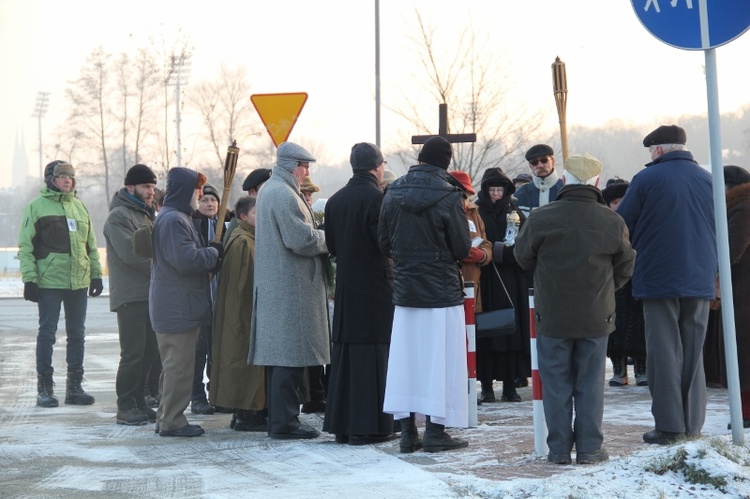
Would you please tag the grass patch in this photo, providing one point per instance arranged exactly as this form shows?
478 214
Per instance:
677 463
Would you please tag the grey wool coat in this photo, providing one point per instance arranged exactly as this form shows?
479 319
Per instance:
289 324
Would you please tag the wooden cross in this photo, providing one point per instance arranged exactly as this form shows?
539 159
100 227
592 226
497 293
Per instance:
443 131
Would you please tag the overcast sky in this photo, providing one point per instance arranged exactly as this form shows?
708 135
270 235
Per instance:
616 69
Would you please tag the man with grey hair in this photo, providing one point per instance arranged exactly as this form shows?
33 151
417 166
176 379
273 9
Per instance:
580 253
289 327
669 211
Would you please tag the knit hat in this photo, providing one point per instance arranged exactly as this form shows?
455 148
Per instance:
666 134
255 178
615 190
365 157
307 185
140 174
55 169
288 154
436 151
583 166
538 151
735 175
210 190
388 176
465 180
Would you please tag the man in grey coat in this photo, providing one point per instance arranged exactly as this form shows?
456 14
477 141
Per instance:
179 297
580 252
131 208
289 325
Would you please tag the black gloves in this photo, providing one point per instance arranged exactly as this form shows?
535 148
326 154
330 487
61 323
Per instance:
96 287
31 292
220 248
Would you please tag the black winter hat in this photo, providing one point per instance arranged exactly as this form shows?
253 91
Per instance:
140 174
436 151
666 134
615 190
255 178
735 175
538 151
365 157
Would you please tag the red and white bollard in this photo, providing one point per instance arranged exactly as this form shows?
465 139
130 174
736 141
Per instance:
540 424
471 352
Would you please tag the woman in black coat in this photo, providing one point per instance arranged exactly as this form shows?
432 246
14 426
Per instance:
503 358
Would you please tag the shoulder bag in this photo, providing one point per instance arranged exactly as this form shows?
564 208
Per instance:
499 322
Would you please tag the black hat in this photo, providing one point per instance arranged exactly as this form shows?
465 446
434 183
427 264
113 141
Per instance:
666 134
615 190
140 174
255 178
365 157
436 151
735 175
522 177
539 150
210 190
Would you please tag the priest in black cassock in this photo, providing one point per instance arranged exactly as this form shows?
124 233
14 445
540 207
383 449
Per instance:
363 311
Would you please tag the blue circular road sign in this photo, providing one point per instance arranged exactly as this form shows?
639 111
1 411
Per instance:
694 24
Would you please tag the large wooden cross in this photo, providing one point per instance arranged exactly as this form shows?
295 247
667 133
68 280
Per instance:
443 131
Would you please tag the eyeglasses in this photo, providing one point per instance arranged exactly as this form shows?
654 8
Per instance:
496 190
535 162
64 177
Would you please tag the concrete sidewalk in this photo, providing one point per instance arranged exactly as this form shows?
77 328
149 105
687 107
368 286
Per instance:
74 451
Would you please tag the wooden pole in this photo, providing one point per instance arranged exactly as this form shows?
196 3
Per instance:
560 89
230 166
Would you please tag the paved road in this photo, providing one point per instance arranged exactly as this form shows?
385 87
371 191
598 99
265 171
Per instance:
80 452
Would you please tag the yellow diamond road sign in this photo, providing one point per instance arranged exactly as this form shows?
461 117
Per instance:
279 112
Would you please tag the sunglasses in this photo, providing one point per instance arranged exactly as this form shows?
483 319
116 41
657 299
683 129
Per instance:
535 162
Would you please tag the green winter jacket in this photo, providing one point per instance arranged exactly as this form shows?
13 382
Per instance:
56 245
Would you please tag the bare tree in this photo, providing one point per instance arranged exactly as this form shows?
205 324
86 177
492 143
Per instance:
146 85
470 80
122 68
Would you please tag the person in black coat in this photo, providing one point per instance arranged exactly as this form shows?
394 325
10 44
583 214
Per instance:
363 311
502 358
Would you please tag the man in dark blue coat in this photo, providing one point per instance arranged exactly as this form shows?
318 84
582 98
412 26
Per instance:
363 312
668 209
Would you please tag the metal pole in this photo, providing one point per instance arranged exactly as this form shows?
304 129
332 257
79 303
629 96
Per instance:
722 244
41 171
377 73
40 110
177 111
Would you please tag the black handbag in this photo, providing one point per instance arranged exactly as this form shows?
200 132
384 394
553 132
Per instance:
501 322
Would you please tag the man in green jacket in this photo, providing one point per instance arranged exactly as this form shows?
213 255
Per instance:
59 263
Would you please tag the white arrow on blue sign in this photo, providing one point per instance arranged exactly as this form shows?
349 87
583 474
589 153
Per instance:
694 24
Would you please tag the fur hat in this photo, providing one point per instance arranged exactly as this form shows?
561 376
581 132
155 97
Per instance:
538 151
583 167
615 190
388 176
210 190
255 178
365 157
465 180
140 174
436 151
308 186
735 175
666 134
55 169
288 154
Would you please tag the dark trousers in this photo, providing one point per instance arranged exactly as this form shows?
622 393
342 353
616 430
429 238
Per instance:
74 301
138 349
282 397
202 361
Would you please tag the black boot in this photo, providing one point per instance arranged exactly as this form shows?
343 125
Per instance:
619 371
243 420
74 394
639 366
44 386
436 440
410 440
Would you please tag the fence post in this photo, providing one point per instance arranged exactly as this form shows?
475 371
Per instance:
471 352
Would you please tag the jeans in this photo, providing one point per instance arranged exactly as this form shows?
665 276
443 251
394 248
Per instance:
74 301
138 349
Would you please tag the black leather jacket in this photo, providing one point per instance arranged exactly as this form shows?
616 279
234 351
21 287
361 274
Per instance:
423 228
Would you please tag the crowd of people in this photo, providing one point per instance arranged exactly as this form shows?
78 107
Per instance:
627 272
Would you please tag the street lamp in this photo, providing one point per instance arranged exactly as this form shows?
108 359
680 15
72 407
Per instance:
40 109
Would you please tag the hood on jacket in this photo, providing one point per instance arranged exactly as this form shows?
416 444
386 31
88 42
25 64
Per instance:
181 184
123 198
494 177
423 187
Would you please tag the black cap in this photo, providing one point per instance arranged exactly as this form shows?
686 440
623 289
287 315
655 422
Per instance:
615 190
140 174
538 151
255 178
735 175
436 151
666 134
